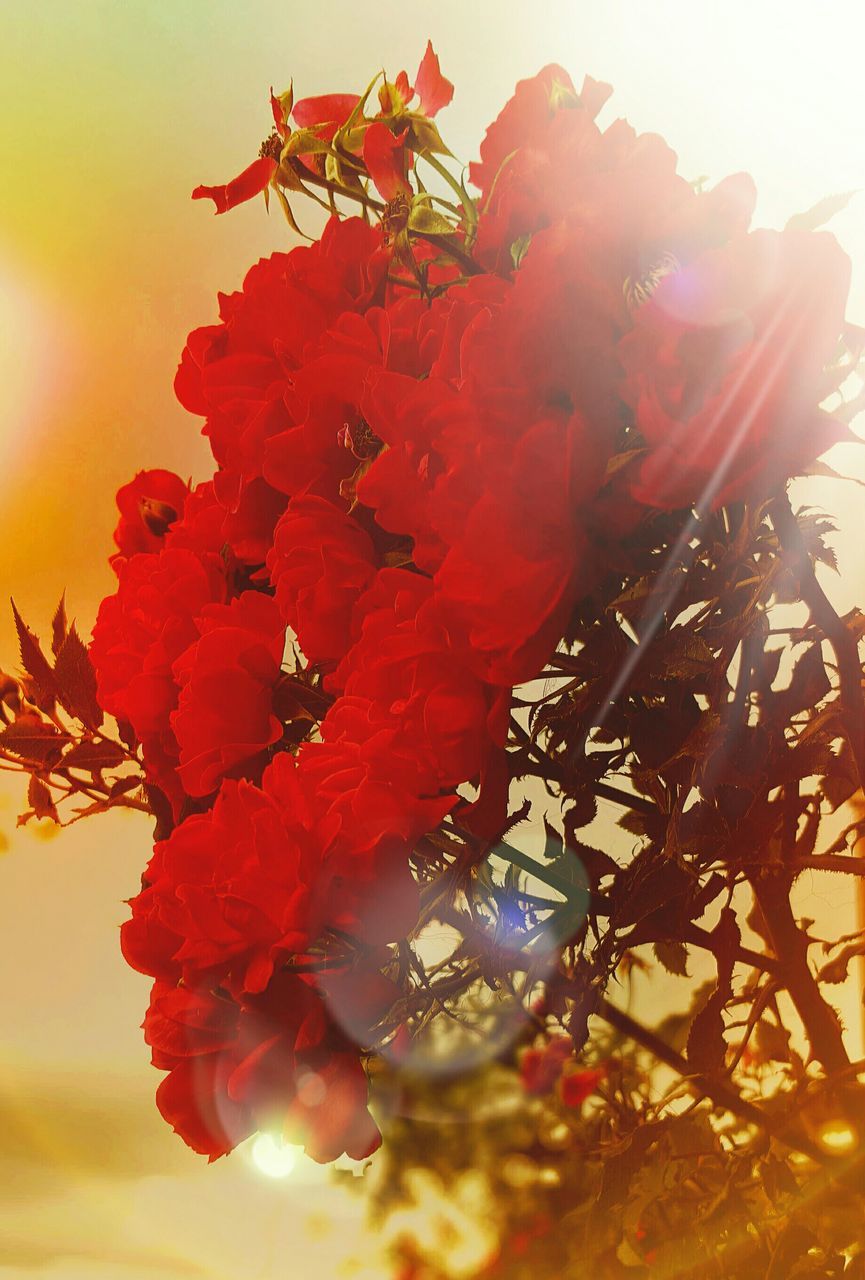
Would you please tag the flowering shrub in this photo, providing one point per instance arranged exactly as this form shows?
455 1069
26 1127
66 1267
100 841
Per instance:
499 497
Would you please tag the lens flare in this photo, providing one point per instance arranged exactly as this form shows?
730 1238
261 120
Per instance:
273 1158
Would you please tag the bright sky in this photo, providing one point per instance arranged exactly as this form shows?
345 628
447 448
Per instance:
110 113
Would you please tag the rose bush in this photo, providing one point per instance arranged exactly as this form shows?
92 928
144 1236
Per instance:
498 500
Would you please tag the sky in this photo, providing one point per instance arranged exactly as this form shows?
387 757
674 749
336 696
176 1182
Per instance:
110 112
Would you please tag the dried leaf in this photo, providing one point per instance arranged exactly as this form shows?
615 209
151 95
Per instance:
93 756
821 212
33 740
59 626
39 796
33 659
673 955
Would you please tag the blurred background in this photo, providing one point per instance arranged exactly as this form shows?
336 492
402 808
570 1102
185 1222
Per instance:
110 112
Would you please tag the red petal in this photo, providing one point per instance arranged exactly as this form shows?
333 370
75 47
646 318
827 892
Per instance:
594 94
430 85
384 156
240 189
279 116
329 108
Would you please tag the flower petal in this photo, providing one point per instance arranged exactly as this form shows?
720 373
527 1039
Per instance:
431 87
242 188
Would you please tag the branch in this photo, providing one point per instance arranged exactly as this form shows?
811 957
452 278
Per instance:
716 1091
772 891
846 864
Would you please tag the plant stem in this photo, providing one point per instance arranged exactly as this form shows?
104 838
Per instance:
823 613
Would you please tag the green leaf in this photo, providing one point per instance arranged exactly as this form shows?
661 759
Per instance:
289 216
423 136
305 142
426 221
519 248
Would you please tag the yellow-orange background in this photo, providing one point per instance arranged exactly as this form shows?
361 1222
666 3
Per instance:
110 111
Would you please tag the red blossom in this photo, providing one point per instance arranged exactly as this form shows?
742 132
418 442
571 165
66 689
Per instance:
224 720
725 367
320 563
149 505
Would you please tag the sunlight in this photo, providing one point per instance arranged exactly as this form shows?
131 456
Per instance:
273 1158
27 344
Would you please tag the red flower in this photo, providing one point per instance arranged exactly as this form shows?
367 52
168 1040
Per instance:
328 438
545 160
139 634
326 109
272 1061
237 373
576 1086
320 563
229 892
149 505
224 719
409 690
725 368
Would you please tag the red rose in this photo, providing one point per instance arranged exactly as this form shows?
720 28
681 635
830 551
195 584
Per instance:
229 892
276 1060
140 632
514 575
324 402
545 160
235 373
423 712
149 505
224 719
725 368
320 563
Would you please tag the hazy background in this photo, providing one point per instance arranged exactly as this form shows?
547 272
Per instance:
110 112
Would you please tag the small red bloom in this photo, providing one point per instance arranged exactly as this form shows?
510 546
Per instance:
149 505
140 632
576 1086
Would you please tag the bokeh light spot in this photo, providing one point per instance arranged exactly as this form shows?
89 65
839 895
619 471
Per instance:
273 1158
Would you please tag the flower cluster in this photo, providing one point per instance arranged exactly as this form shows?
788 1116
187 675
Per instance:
428 430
